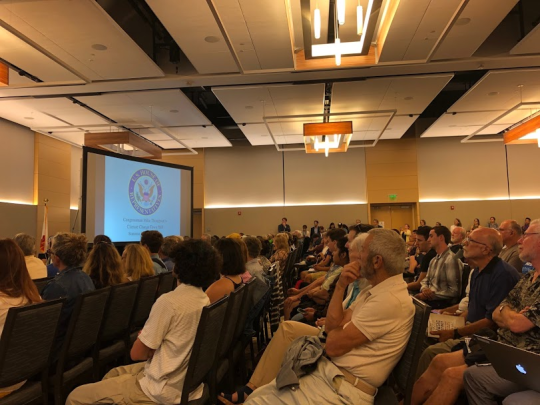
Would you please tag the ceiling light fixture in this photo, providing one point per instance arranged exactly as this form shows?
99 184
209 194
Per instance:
338 52
341 6
327 137
527 131
317 22
359 19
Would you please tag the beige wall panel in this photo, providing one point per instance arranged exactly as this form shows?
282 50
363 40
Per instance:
197 162
374 155
521 209
54 143
524 170
61 200
54 184
198 197
390 169
264 220
75 220
243 175
448 169
16 163
76 173
56 170
52 153
17 218
403 195
392 182
333 173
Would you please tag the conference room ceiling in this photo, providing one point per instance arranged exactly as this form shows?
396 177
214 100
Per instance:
208 73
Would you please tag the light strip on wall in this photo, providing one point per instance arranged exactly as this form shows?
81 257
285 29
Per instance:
430 200
17 202
217 206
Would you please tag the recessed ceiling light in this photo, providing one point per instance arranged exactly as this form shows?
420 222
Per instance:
249 107
493 93
173 111
28 118
408 98
211 39
99 47
463 21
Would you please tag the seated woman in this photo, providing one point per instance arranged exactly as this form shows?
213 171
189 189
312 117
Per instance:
163 347
137 262
231 270
281 251
319 295
104 266
16 288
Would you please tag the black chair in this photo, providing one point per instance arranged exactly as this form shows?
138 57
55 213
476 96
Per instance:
221 365
403 375
288 272
75 363
111 342
146 297
25 348
465 280
41 283
166 283
204 351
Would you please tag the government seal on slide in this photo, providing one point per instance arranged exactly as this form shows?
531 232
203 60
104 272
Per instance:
145 193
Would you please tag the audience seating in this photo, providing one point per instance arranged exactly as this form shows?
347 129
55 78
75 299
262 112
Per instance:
41 283
111 342
167 283
403 375
204 350
221 364
143 305
75 364
25 348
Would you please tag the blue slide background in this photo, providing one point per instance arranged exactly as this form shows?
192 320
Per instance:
122 222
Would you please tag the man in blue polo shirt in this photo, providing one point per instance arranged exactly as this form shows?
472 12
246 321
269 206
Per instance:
491 281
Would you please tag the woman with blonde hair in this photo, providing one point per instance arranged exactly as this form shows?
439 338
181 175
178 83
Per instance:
16 288
137 262
281 247
104 266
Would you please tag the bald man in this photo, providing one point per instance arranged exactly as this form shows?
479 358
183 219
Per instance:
490 283
511 232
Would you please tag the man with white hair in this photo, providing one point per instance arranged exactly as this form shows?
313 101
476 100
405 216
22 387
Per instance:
35 267
364 342
458 235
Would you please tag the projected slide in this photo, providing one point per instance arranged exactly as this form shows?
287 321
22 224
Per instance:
140 197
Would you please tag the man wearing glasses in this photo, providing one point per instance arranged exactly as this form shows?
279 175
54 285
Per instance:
511 232
517 317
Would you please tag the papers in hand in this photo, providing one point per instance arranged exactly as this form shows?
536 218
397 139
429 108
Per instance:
444 322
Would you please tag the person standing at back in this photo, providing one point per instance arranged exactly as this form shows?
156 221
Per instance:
152 240
284 226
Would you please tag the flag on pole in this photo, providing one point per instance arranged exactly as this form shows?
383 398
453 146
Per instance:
44 232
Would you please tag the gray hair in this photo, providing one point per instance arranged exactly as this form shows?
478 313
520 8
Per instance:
391 247
515 227
170 243
26 242
461 230
358 242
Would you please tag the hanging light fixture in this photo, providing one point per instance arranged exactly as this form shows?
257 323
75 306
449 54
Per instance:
317 21
359 19
338 51
340 6
327 137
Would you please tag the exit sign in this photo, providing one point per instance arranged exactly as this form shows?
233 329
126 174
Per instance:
392 197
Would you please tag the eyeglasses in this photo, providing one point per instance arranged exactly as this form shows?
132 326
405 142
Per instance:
524 236
469 240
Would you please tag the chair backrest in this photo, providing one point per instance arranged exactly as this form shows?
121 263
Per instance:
166 281
405 371
118 311
27 340
465 280
205 346
245 306
144 301
236 298
41 283
84 325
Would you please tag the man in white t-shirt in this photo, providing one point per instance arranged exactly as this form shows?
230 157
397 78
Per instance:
164 344
364 342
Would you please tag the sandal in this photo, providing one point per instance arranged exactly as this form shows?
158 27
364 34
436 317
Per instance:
242 392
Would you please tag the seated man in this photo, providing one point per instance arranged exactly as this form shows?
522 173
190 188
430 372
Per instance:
164 344
169 245
518 320
442 285
511 233
363 344
152 240
491 281
419 262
